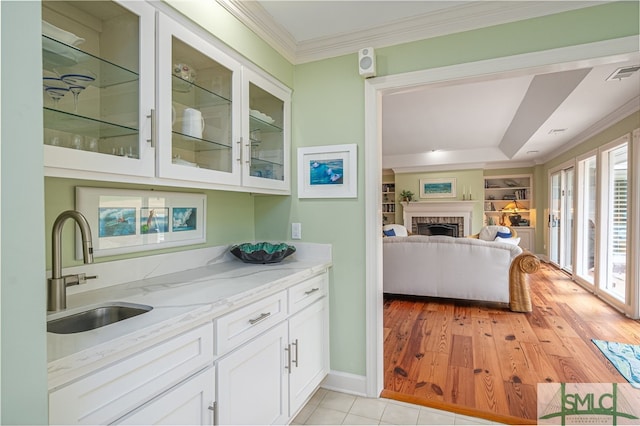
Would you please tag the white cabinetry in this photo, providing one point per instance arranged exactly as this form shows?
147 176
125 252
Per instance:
219 124
122 388
278 370
98 94
199 111
252 382
189 403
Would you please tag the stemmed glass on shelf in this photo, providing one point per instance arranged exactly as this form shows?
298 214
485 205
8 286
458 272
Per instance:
77 80
54 87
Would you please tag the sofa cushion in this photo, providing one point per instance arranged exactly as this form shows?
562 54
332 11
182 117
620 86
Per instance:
503 234
399 230
514 241
489 232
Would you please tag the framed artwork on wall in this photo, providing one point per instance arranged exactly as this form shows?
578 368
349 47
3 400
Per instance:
328 171
438 188
126 221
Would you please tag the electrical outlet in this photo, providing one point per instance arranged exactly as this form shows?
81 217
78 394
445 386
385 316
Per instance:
296 231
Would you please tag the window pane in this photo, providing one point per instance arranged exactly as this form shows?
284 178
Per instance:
614 279
587 221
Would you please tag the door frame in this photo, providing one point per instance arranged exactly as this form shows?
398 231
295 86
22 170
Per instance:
560 59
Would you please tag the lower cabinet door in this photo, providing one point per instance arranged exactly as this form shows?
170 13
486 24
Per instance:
253 382
308 335
188 403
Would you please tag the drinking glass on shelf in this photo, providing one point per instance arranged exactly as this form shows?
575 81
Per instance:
77 79
55 89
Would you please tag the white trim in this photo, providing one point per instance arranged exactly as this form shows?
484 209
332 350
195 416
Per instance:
462 209
560 59
465 17
345 382
634 203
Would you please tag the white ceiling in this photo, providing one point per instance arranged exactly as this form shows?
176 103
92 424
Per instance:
492 121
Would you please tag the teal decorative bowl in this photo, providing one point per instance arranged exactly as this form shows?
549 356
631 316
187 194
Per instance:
262 252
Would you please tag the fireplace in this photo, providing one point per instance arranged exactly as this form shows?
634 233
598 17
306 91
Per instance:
451 217
448 229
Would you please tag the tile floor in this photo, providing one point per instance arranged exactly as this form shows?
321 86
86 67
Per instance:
334 408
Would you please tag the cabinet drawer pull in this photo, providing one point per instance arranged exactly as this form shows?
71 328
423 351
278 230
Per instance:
313 290
239 159
260 318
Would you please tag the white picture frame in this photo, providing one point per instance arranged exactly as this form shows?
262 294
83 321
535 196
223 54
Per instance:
438 188
127 221
329 171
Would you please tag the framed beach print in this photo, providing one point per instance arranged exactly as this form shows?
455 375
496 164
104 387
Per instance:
328 171
438 188
125 221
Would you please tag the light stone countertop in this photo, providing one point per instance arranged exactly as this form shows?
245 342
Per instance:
181 300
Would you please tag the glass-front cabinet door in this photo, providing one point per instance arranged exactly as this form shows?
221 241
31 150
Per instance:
266 140
199 108
98 87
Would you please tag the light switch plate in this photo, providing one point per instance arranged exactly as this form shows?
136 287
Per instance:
296 231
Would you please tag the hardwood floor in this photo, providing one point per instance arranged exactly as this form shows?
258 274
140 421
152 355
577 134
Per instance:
484 360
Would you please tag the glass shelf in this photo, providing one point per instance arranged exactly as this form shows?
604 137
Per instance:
199 96
72 123
57 55
260 162
263 126
188 143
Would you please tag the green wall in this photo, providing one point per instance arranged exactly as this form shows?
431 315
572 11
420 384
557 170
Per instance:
230 217
328 108
472 180
23 357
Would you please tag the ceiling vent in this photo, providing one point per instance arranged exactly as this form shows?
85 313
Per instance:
624 72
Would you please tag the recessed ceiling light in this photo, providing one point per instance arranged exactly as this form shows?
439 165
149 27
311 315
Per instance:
555 131
533 152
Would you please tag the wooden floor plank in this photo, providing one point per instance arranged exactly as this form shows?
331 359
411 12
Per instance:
483 359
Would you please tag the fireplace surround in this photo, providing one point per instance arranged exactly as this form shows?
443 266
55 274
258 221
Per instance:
458 213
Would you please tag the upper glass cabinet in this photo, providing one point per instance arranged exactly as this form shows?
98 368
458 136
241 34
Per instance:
98 83
198 106
267 112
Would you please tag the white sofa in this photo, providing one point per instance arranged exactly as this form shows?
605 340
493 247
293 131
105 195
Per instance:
458 268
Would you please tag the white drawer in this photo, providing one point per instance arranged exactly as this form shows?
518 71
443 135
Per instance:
114 391
307 292
245 323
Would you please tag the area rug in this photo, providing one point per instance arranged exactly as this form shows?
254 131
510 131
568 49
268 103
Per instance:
623 356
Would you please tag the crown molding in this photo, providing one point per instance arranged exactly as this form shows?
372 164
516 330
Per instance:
256 18
606 122
456 19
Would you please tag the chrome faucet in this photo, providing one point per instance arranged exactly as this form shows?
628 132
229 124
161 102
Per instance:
57 288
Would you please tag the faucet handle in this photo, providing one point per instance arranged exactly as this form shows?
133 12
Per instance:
82 278
77 279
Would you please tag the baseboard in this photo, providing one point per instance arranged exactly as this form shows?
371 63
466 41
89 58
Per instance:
340 381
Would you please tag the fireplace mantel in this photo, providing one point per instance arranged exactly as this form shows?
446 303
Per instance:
462 209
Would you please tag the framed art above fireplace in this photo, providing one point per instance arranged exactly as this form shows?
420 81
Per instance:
438 188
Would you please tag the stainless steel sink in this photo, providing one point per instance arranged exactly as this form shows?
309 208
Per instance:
95 318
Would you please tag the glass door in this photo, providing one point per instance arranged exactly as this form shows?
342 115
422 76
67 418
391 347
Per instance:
98 86
265 133
614 211
586 220
561 218
199 100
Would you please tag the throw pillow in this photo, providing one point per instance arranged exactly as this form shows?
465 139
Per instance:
514 241
503 234
389 233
